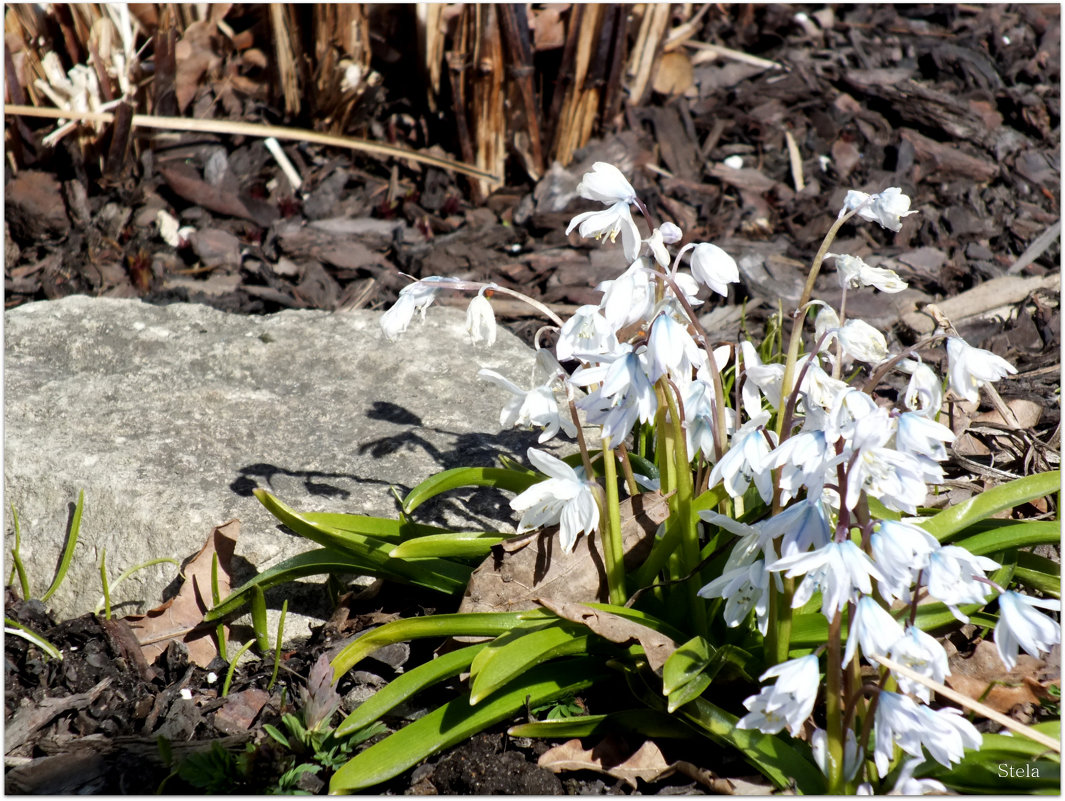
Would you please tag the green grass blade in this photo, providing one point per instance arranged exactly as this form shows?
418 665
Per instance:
996 499
68 549
515 652
498 477
460 544
467 624
686 663
406 685
277 645
16 629
258 619
436 574
456 721
16 558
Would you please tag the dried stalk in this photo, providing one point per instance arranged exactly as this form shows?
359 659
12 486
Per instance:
644 54
286 57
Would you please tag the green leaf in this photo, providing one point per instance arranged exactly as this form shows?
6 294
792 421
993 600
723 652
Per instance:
456 721
406 685
686 663
996 499
519 649
13 627
1038 573
310 563
68 548
498 477
462 544
1037 532
371 555
381 528
465 624
1003 765
687 692
648 722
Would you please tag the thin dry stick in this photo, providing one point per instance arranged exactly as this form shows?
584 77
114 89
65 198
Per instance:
969 703
255 129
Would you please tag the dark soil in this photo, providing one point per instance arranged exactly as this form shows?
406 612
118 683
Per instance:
958 105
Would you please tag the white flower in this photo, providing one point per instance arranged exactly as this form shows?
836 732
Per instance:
481 320
761 378
607 184
947 734
789 702
564 498
954 575
873 628
826 322
851 762
886 208
853 273
668 233
905 784
671 348
922 435
862 342
924 393
901 551
745 461
804 525
537 407
895 479
744 588
923 654
970 368
805 460
714 268
625 393
671 234
412 298
897 722
1019 624
588 332
629 298
839 569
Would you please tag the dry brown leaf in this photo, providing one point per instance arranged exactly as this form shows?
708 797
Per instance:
508 582
178 618
656 646
647 763
983 677
674 75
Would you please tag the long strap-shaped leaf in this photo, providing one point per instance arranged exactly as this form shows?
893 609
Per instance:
501 478
406 685
437 574
996 499
456 721
513 653
310 563
466 624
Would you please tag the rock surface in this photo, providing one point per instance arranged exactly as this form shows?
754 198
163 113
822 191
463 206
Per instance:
168 417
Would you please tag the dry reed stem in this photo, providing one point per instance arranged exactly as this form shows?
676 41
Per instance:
644 54
257 130
286 58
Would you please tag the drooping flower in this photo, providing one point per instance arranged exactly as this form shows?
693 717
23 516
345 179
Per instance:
664 235
565 498
804 459
714 268
801 527
535 407
873 628
1021 625
606 184
587 331
898 480
905 784
412 298
840 570
789 702
672 349
853 272
947 734
901 551
744 588
886 207
745 461
851 760
970 368
954 576
923 654
763 380
630 297
924 393
625 393
481 320
897 722
922 436
862 342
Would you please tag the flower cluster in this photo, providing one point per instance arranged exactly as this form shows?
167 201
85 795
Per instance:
819 453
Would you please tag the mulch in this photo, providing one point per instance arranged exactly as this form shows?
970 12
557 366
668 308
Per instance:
958 105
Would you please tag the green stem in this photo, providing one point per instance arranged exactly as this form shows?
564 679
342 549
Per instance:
796 328
778 636
833 707
613 548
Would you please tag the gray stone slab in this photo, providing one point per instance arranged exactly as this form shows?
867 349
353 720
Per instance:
169 416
